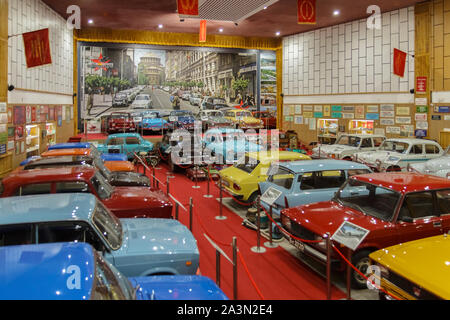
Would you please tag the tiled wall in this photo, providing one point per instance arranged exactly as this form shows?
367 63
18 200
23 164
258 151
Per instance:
350 58
31 15
440 35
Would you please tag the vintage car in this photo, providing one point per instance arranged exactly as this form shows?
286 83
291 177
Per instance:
181 119
153 121
392 207
214 103
268 118
195 99
396 154
415 270
39 277
241 180
88 145
120 100
244 119
213 119
124 202
120 122
142 102
118 179
347 145
304 182
227 145
136 247
125 143
439 167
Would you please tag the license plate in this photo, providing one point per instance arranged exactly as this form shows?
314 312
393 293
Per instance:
300 246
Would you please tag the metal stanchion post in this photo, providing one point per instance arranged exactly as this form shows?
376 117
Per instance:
218 268
195 178
154 183
157 184
349 285
191 206
168 190
270 244
177 211
208 193
220 216
328 240
235 274
258 248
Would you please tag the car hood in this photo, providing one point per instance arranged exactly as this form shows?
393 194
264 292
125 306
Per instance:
155 236
334 149
250 120
177 288
323 217
136 198
129 178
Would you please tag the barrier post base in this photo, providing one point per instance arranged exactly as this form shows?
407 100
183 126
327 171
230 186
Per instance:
208 196
270 245
195 187
258 249
221 218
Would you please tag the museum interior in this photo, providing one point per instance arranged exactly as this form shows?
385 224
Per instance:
224 150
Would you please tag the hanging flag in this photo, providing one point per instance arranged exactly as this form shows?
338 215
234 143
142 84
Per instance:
399 62
306 11
187 7
202 36
37 48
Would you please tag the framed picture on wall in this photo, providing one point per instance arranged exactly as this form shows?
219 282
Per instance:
19 115
51 113
19 132
3 107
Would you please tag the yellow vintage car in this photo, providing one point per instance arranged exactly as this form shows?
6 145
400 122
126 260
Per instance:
244 119
416 270
241 180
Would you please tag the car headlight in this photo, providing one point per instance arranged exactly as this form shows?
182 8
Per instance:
286 222
323 243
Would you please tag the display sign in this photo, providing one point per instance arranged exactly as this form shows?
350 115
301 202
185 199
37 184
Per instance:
421 101
442 109
372 116
306 11
37 48
420 133
421 85
422 109
435 117
187 7
350 235
270 196
202 33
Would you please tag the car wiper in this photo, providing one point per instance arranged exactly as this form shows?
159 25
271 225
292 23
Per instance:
357 207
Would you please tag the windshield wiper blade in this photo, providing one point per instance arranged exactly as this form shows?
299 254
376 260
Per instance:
356 206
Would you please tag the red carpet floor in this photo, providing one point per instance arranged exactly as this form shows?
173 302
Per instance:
278 274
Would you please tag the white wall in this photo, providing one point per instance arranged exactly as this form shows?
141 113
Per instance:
350 58
31 15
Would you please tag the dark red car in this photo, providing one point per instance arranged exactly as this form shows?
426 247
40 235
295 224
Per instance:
394 208
121 122
124 202
269 119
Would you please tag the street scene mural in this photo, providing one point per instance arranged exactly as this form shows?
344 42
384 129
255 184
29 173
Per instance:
132 80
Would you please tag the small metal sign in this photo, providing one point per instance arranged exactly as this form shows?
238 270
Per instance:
350 235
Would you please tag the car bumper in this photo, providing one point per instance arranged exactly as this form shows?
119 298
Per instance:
232 192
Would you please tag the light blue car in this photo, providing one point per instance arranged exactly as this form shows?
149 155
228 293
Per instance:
136 247
33 272
125 143
153 121
229 145
291 184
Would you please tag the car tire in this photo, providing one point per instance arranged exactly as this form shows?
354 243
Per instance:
361 261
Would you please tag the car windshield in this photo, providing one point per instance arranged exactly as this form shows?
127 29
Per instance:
152 115
351 141
281 177
103 188
369 199
394 146
244 114
108 225
120 116
101 167
247 164
142 98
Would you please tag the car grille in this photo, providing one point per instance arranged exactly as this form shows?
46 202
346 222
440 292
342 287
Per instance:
301 232
409 287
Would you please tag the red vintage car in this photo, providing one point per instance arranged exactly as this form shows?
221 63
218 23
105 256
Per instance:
393 207
269 119
124 202
121 122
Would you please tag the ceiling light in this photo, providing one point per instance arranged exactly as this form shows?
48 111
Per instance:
160 26
220 30
277 33
90 21
336 12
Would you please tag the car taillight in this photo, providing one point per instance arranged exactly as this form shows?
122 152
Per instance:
236 187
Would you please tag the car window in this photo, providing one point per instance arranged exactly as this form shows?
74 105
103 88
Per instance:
322 180
68 231
12 235
282 177
102 187
366 143
36 188
416 149
106 285
72 187
355 172
378 141
133 140
417 205
431 149
247 164
115 142
443 201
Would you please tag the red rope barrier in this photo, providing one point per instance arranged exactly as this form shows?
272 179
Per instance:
250 276
363 275
161 155
209 235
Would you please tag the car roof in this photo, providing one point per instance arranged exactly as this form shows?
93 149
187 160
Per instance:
405 182
64 160
43 271
70 145
317 165
413 141
47 207
363 135
268 156
67 152
124 135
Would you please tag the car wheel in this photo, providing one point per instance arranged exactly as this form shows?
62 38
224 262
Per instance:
362 262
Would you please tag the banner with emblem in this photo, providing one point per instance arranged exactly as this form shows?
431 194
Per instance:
202 35
399 62
187 7
37 48
306 10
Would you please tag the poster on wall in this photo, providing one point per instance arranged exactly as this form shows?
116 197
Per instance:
3 118
387 107
19 115
51 114
403 120
420 117
372 109
359 112
10 114
162 74
327 111
33 114
372 116
318 108
37 48
3 107
298 119
298 109
387 122
393 130
387 114
19 132
28 114
407 131
423 125
403 111
308 108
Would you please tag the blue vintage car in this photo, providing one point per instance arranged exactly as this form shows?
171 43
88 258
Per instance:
153 121
302 182
125 143
229 145
88 145
75 271
181 119
136 247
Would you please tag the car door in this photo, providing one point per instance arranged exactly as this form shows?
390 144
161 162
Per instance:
133 144
443 206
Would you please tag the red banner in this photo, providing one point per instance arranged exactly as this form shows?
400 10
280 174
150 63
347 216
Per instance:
202 35
421 85
306 11
399 62
37 48
187 7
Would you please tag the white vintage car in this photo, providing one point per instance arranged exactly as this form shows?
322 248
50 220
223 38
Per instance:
437 167
347 145
396 154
